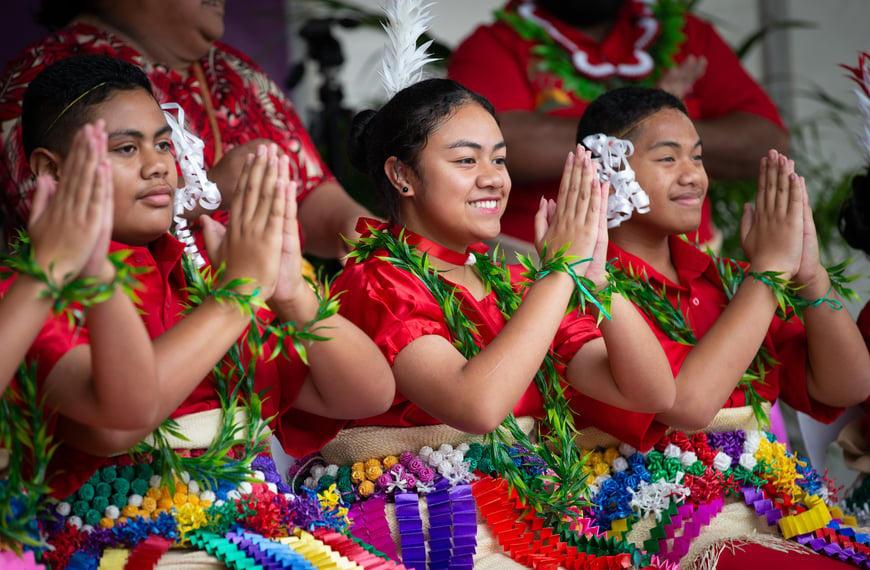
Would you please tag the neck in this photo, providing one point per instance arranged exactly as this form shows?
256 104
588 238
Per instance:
597 33
151 48
655 250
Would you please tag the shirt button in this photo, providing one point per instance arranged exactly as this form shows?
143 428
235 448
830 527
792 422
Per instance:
696 301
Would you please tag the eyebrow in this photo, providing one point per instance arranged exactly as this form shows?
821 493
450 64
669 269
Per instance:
138 134
464 143
672 144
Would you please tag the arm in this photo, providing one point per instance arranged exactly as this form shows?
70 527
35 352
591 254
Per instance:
734 142
838 364
348 376
626 367
22 313
476 394
325 215
772 240
113 380
250 248
537 142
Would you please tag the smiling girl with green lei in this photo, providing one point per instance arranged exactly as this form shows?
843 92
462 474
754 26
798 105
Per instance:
472 342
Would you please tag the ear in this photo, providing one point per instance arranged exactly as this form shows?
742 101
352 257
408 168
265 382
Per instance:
44 161
397 173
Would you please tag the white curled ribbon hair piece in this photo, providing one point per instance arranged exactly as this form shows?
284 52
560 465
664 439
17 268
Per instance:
611 154
197 190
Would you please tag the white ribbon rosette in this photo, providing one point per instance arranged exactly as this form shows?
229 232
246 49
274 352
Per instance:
197 188
611 154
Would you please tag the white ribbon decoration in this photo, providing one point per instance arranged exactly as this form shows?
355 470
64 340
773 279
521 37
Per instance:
611 154
198 189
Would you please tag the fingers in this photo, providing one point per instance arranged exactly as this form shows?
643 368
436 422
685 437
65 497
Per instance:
45 188
213 233
746 221
541 224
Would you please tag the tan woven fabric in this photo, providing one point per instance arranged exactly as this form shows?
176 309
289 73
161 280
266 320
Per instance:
200 429
359 444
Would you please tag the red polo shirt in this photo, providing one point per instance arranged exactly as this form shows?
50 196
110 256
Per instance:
700 297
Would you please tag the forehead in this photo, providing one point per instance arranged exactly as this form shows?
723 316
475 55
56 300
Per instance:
469 122
666 125
133 109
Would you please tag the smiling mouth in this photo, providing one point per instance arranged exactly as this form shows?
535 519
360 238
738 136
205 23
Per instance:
485 204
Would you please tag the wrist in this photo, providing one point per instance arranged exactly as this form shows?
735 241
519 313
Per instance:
816 286
301 306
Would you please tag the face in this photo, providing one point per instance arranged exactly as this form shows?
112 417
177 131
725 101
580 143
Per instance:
668 165
183 29
143 166
583 13
463 184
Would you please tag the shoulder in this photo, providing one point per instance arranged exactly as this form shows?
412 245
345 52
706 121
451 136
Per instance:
236 57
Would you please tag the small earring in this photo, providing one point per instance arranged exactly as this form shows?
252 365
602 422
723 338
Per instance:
404 189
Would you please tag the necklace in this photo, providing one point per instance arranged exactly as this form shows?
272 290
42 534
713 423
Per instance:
659 35
655 304
438 251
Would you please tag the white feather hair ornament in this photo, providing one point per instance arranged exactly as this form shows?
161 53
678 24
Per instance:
861 75
403 62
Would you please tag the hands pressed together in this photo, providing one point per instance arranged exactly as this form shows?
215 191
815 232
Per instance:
577 218
70 224
778 233
261 242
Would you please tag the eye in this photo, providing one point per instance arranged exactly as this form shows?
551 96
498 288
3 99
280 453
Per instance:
125 149
665 159
466 160
164 146
699 157
501 161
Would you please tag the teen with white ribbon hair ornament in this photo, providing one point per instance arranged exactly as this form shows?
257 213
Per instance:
738 336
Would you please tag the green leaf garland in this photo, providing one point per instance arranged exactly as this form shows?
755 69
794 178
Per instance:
558 495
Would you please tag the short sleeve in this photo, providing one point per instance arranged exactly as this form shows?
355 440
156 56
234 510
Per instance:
575 331
489 62
390 305
790 341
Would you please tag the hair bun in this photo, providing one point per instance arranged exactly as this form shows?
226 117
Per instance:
357 143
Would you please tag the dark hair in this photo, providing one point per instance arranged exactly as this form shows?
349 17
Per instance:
401 129
58 101
56 14
854 219
617 112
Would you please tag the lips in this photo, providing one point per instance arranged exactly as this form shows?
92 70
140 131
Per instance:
158 197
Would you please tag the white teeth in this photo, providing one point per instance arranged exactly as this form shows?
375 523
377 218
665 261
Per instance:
486 204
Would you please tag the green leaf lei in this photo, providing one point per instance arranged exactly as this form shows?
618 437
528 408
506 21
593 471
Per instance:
671 320
228 458
671 15
24 435
73 297
557 495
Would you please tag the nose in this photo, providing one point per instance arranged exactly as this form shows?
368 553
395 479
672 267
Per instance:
492 176
155 164
692 173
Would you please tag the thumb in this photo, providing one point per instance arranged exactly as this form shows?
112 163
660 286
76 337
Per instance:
213 234
541 223
746 222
